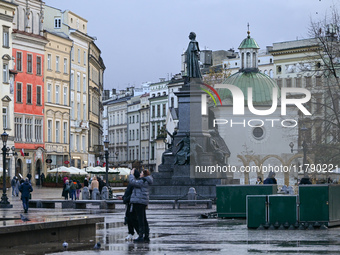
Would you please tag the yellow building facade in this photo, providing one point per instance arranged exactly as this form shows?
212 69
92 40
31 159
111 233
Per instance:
79 129
57 99
96 71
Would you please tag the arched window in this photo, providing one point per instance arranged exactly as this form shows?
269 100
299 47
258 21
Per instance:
254 60
242 61
248 60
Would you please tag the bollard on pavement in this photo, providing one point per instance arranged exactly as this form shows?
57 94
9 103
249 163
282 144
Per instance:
192 195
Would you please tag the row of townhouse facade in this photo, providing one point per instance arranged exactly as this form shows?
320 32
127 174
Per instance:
135 122
52 81
137 125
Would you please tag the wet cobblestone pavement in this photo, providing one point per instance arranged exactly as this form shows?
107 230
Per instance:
173 231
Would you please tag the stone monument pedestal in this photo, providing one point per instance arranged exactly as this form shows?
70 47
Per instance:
173 181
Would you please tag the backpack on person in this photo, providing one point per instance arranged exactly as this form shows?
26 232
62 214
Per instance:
67 187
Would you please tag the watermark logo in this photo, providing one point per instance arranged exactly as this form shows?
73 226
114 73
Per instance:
238 100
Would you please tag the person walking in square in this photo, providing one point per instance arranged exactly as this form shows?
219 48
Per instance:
66 190
29 176
73 190
140 200
25 189
78 188
13 181
16 187
270 179
42 179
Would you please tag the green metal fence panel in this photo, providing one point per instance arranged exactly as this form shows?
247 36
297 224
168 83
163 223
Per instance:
334 205
231 199
314 200
282 209
256 210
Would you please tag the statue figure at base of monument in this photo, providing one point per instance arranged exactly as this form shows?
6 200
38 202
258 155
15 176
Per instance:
188 147
182 155
218 147
169 150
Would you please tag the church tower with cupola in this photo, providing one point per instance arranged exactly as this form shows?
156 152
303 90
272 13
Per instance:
249 54
254 139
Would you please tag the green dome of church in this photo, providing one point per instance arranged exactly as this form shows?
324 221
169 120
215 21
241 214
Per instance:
249 43
262 86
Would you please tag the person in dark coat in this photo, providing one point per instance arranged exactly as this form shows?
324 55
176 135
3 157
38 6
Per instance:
130 216
86 182
139 200
17 185
73 187
78 189
305 180
13 182
270 179
101 184
29 176
42 179
25 189
66 190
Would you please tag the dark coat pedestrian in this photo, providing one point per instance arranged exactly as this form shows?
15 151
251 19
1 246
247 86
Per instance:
13 181
73 187
130 215
139 200
16 187
270 179
66 190
78 188
29 176
42 179
25 189
101 184
305 180
86 182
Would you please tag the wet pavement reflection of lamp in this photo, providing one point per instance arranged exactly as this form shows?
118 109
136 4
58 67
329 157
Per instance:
4 203
106 144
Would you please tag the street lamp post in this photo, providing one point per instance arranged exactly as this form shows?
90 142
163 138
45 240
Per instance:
304 150
4 203
116 153
106 144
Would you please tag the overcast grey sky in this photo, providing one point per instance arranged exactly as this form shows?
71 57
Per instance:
142 40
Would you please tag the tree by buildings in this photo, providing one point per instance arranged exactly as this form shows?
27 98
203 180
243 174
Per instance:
324 63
